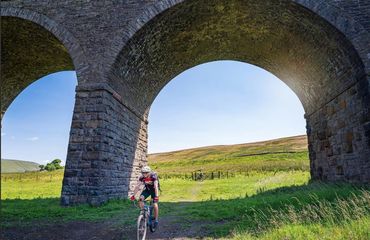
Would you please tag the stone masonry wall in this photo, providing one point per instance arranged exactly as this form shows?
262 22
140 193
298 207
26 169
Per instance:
107 147
339 137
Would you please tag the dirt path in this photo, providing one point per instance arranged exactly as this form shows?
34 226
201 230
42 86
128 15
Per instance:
172 226
194 192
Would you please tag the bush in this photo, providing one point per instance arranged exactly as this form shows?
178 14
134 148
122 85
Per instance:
53 165
56 163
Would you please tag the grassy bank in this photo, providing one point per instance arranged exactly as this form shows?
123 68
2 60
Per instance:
254 206
269 195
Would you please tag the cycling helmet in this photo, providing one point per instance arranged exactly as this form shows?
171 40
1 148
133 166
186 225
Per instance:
146 169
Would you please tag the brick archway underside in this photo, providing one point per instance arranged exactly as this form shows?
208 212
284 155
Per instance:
303 50
29 52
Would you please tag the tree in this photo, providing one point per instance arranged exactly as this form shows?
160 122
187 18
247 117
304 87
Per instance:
53 165
42 167
50 167
57 163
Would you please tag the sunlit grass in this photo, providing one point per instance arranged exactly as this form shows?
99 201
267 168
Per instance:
255 205
240 185
266 196
31 185
351 229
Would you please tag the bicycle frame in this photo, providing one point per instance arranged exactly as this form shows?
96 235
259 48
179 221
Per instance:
144 220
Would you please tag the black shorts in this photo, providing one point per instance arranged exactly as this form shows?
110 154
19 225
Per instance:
146 193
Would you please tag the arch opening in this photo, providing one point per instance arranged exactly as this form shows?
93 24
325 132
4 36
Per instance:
230 122
29 52
298 46
223 103
36 125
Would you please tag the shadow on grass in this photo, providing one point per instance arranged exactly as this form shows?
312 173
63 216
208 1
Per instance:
210 218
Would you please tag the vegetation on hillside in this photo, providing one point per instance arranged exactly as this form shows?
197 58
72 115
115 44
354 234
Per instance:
254 204
13 166
275 155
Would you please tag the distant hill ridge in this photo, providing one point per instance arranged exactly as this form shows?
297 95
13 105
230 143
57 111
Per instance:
294 143
18 166
278 154
289 151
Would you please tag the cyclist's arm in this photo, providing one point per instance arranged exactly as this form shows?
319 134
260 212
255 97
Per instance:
137 187
156 188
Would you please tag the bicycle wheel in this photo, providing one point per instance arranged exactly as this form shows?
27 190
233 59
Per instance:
151 222
141 227
151 227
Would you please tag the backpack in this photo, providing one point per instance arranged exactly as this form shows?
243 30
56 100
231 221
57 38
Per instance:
159 185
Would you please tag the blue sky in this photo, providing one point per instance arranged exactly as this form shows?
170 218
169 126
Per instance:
36 125
224 102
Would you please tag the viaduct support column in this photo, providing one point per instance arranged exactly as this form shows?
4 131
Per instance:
339 136
108 143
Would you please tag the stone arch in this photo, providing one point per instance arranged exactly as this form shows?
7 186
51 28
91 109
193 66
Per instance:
353 30
316 60
33 46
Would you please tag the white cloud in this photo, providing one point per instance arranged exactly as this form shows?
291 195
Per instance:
3 134
33 139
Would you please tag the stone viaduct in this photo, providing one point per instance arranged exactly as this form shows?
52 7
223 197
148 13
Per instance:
125 51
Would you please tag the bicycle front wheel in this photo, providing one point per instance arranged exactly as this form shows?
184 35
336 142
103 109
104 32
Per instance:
141 227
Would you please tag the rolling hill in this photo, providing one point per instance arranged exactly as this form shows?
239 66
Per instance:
18 166
279 154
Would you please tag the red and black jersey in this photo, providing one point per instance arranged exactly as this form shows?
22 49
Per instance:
149 181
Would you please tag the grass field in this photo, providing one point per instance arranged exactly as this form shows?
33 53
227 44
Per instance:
255 204
31 185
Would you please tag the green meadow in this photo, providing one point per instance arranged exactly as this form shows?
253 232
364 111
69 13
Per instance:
252 203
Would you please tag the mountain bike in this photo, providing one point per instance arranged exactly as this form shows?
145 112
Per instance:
145 220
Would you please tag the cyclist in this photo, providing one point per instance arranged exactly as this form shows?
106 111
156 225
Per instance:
150 181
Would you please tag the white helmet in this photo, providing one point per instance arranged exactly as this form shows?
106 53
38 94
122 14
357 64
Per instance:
146 169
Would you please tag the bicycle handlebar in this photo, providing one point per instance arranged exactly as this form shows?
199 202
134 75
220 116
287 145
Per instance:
137 205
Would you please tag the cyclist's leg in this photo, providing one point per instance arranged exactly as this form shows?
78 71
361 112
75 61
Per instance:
144 195
155 205
156 210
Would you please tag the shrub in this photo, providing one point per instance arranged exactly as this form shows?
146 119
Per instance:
53 165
